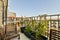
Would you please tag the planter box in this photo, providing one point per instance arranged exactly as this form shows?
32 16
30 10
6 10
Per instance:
43 38
27 34
22 29
31 36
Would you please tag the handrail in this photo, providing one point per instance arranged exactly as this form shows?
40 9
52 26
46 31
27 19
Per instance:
55 30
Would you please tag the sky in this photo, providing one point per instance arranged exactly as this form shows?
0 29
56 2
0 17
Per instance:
34 7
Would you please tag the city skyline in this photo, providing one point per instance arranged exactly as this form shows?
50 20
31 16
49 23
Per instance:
34 7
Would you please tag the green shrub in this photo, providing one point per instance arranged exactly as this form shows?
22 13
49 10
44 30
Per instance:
40 29
28 28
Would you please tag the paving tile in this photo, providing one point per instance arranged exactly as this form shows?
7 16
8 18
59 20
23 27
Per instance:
23 37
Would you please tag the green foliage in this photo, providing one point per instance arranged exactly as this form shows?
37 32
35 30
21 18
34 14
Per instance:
28 28
40 29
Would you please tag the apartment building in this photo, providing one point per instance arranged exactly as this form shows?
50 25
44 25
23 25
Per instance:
13 22
11 18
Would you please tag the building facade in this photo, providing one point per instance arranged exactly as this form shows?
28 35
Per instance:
3 11
13 22
11 16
